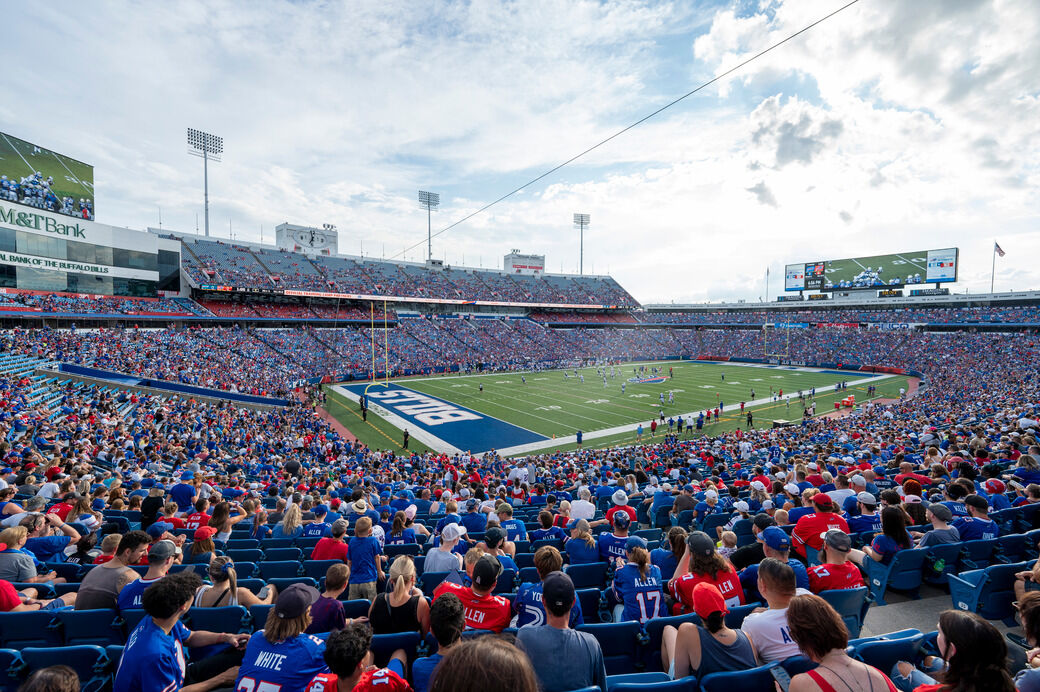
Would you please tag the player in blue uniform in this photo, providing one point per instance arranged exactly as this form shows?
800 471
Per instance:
280 656
154 658
638 587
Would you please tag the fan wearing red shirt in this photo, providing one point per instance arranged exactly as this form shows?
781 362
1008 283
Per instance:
482 610
701 564
350 662
836 572
199 517
810 528
334 547
620 500
906 472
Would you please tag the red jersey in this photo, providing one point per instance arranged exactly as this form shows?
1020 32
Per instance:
62 509
728 583
328 549
382 679
826 576
810 527
195 520
623 508
481 612
9 597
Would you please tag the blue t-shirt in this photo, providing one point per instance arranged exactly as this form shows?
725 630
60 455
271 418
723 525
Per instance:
581 553
130 596
182 494
749 579
287 665
318 529
530 611
474 521
551 533
886 547
48 548
665 560
643 598
972 529
152 659
280 532
864 522
362 554
611 548
796 513
422 670
447 519
515 530
406 536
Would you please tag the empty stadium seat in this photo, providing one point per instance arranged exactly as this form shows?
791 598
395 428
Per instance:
318 568
89 662
90 627
278 570
289 553
588 576
233 619
851 605
988 592
620 644
904 573
12 670
384 645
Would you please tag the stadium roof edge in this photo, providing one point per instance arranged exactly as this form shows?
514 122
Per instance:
951 299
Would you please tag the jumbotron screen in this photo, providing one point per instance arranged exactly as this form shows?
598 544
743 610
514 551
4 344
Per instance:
877 271
44 179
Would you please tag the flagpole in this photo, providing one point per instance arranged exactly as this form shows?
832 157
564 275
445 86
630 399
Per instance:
993 270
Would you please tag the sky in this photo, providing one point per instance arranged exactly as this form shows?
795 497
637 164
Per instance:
896 125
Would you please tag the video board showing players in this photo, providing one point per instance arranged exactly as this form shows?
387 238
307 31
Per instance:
874 272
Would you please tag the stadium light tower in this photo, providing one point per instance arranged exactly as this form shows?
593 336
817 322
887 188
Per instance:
581 222
429 201
208 147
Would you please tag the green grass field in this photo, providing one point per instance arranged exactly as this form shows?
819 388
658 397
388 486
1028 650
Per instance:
555 406
72 178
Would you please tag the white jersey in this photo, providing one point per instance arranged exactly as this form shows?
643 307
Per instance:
771 634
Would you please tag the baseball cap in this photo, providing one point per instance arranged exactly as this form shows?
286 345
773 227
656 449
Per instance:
187 475
339 527
162 551
620 497
822 500
688 488
792 488
452 532
622 520
486 571
634 542
557 590
320 510
866 498
700 543
494 536
204 532
573 524
775 538
763 521
741 506
471 503
994 486
837 539
940 511
711 494
977 501
858 480
294 601
158 528
707 599
758 485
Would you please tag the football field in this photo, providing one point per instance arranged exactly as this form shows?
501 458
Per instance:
534 412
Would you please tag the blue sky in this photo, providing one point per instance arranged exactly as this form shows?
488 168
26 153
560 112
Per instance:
893 126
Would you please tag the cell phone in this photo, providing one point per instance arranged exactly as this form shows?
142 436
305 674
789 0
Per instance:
781 677
1016 485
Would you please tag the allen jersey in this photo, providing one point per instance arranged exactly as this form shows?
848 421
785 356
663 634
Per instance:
728 583
195 520
643 597
827 576
379 680
481 612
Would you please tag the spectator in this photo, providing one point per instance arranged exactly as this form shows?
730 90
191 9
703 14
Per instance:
446 622
754 553
443 558
667 558
866 519
809 529
495 544
225 591
893 538
714 648
1028 680
777 545
101 586
399 534
482 664
404 609
333 546
637 586
483 610
563 658
48 536
581 548
939 516
349 661
547 531
52 679
701 563
280 654
291 525
222 521
822 636
327 613
161 558
154 656
18 566
612 545
366 561
12 601
977 525
974 654
528 605
768 628
836 571
203 549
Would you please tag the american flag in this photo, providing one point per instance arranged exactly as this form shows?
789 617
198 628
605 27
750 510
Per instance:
997 249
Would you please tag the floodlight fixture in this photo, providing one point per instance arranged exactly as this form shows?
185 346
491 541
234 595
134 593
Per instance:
207 147
581 222
429 201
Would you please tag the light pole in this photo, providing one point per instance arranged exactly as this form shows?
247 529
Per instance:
581 222
429 201
208 147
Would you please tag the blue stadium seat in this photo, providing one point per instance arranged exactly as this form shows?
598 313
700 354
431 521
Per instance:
67 571
851 605
245 554
430 581
524 560
904 573
282 554
259 614
752 680
735 616
12 670
654 534
591 602
384 645
89 662
198 568
276 543
635 678
283 583
393 551
554 542
684 519
99 627
687 684
1016 548
885 653
942 561
588 576
654 629
242 543
528 575
714 521
356 608
506 582
318 568
620 642
307 543
988 592
980 554
131 618
253 584
232 619
279 570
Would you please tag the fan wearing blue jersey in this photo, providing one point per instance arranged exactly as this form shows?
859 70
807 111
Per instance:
977 525
612 545
637 587
280 656
154 658
528 605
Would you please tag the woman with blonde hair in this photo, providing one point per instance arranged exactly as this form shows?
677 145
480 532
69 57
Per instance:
404 609
581 547
222 520
225 591
291 525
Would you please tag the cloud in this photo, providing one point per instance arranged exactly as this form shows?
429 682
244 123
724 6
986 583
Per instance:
762 193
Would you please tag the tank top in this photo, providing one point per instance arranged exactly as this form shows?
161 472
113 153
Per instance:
226 599
98 588
717 657
388 619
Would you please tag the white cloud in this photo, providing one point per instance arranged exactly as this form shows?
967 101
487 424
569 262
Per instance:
893 126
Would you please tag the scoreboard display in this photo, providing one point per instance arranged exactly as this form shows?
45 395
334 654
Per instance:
878 272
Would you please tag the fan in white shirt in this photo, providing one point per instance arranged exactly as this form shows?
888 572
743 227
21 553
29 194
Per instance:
768 628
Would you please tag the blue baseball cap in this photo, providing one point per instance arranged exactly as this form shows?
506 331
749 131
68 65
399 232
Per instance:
320 510
776 538
187 475
158 528
634 542
621 520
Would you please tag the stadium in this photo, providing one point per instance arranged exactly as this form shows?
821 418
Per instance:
265 463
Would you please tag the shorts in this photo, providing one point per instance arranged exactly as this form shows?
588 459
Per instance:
1032 585
366 590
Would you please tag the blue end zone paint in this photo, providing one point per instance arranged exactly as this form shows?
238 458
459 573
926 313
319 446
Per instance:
457 425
